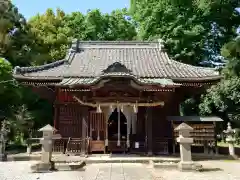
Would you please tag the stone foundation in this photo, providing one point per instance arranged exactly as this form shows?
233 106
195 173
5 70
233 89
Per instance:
43 167
189 166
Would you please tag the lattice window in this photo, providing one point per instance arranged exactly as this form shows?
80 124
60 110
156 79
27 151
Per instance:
70 121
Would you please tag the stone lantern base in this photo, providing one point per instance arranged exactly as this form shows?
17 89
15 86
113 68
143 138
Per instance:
43 167
189 166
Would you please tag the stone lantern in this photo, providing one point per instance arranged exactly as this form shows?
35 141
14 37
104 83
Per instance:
46 141
185 142
230 139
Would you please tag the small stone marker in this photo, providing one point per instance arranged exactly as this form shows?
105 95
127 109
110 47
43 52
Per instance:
185 142
230 139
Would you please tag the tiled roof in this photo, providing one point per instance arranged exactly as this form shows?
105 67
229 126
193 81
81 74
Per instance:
141 59
53 70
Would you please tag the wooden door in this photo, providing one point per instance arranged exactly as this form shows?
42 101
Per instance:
97 132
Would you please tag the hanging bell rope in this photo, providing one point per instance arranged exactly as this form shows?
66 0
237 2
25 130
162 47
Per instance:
152 104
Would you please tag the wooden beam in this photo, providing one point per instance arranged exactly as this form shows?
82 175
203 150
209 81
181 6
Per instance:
159 103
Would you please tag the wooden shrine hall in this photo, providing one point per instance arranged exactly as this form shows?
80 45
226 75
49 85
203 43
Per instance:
116 96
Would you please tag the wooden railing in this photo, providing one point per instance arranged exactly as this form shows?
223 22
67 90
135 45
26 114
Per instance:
59 145
77 146
161 145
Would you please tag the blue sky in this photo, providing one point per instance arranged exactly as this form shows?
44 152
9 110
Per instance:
31 7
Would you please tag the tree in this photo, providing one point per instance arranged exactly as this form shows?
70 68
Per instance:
231 51
8 92
15 39
224 98
98 26
54 31
20 124
119 26
52 37
193 30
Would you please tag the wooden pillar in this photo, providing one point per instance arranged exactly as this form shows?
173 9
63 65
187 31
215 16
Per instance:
55 116
127 111
119 126
107 112
173 138
84 129
134 122
149 130
215 137
146 130
98 127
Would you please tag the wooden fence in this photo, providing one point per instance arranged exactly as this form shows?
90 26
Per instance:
62 145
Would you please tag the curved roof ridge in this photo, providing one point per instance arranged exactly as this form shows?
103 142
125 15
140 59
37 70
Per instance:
80 45
195 67
20 70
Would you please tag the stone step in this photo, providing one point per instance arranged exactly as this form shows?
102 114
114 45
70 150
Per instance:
72 166
46 167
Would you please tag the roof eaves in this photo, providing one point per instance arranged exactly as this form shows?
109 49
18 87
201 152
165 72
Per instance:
22 70
197 79
94 80
37 78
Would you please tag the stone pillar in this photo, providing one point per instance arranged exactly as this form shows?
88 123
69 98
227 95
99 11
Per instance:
185 142
29 146
230 139
3 133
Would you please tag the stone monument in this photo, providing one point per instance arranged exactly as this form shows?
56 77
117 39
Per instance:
230 139
185 142
3 133
46 141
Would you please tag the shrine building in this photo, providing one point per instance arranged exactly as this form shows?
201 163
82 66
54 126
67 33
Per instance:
120 96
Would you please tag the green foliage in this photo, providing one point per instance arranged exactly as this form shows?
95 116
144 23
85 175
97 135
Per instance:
193 30
190 107
51 36
15 39
54 32
7 88
231 51
225 96
20 124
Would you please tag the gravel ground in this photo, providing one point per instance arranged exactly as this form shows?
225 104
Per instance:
229 170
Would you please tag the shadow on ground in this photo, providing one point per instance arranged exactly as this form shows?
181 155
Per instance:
210 169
